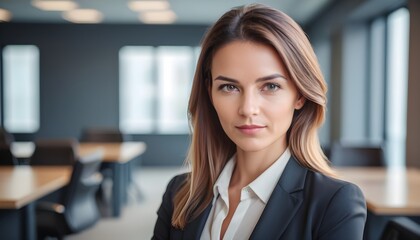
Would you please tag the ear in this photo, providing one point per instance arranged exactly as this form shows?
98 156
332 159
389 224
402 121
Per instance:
300 102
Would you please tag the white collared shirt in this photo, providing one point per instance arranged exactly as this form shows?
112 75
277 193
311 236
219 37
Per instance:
253 199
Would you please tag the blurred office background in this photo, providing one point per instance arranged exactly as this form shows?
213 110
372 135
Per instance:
122 66
123 70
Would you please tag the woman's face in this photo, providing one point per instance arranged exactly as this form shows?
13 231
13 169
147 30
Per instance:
252 95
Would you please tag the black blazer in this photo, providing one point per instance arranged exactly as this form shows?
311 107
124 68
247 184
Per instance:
303 205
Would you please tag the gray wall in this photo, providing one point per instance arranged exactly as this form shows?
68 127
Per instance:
79 77
341 35
413 109
338 47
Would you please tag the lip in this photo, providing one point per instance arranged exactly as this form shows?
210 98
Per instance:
250 129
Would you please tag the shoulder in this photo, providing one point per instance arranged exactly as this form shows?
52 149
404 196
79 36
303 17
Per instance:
176 183
344 211
297 177
334 209
341 205
338 207
178 180
329 184
166 208
165 211
332 187
329 195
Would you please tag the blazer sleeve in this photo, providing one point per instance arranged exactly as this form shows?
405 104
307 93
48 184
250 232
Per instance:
345 215
163 224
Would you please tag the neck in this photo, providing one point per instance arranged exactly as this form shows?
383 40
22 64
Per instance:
249 165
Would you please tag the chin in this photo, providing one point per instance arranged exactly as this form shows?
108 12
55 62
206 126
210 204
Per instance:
250 145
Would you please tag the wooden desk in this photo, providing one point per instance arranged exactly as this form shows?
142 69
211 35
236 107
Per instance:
393 191
114 152
389 192
20 187
117 157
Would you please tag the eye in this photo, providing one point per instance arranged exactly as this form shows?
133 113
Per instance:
272 87
228 88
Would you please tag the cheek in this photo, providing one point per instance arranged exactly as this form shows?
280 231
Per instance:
222 109
281 114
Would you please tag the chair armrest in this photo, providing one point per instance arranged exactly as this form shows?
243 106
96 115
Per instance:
51 207
406 224
401 228
93 180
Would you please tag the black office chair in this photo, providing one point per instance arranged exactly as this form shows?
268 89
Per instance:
327 150
110 135
102 135
6 156
401 228
356 155
77 210
5 137
54 152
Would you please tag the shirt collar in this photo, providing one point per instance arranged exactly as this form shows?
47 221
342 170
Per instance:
264 184
222 183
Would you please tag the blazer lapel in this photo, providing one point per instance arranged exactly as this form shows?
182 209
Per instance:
194 228
283 203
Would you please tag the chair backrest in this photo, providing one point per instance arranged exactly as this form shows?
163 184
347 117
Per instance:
102 135
54 152
79 199
327 150
5 137
401 228
6 156
356 155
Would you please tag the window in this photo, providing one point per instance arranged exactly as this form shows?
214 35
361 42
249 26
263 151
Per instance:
175 72
388 83
155 83
396 90
377 83
21 88
136 89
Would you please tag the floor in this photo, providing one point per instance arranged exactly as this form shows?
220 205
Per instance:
139 216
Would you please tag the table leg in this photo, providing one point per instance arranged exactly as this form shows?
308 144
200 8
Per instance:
117 189
18 223
29 222
126 181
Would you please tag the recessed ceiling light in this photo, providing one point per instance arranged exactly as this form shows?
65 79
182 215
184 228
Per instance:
59 5
5 15
158 17
148 5
83 16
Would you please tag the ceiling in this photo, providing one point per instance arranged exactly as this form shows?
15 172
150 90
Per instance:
187 11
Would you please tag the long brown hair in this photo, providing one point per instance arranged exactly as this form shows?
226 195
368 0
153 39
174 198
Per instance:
210 147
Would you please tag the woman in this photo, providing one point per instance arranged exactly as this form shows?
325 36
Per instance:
257 169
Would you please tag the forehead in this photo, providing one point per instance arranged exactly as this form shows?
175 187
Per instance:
245 58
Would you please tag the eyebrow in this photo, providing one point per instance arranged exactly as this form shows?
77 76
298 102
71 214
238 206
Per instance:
261 79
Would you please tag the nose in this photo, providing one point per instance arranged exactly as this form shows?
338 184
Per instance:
249 105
